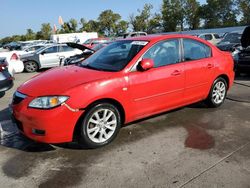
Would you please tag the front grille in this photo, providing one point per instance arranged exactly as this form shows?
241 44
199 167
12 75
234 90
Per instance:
18 98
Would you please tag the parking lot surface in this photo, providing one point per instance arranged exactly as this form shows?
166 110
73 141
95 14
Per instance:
190 147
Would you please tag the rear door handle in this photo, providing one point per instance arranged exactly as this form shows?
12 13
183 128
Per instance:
210 65
176 73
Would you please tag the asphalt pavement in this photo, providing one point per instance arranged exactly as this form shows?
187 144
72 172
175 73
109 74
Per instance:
191 147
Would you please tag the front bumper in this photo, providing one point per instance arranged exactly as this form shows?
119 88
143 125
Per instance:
47 126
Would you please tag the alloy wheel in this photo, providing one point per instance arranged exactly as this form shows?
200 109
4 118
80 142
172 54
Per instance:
219 92
31 66
101 125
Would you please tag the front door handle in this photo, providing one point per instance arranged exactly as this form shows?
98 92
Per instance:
176 73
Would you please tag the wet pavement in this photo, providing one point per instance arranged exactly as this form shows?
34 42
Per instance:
190 147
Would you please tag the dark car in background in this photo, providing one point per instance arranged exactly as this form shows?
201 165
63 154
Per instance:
6 79
242 57
230 41
12 46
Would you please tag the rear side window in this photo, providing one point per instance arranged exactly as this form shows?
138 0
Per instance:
216 36
194 50
208 37
65 49
50 50
164 53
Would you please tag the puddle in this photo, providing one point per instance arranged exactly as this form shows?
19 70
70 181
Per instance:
12 138
198 138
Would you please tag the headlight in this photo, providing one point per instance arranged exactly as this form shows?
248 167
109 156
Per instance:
48 102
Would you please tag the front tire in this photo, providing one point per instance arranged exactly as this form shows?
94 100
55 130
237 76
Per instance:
217 94
30 66
100 125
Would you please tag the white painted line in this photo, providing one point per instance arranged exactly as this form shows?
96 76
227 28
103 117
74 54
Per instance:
215 164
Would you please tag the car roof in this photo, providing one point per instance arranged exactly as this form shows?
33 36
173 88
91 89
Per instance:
238 32
208 34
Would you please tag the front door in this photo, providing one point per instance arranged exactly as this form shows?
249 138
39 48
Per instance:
161 87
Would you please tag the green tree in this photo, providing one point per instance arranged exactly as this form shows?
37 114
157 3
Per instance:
73 25
45 32
141 21
122 27
173 15
91 26
244 8
192 13
82 24
108 22
70 26
30 35
145 20
217 13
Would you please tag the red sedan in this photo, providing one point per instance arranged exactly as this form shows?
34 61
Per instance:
123 82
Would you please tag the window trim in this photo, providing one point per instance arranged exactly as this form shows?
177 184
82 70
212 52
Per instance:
134 67
182 49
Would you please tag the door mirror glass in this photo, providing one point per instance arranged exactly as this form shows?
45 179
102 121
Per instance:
146 64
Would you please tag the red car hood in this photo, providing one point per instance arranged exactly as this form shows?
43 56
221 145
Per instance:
58 80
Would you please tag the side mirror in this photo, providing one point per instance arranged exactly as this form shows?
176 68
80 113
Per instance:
42 53
146 64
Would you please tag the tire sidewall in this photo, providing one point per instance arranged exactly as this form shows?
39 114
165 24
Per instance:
210 98
84 138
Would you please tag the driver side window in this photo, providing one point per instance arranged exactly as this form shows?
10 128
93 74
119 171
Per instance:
164 53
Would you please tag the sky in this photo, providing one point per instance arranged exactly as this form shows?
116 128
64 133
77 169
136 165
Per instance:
16 16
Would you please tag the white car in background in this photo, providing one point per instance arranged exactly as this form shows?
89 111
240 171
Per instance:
47 57
211 37
15 65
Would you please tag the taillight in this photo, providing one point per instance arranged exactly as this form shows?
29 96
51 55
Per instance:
14 57
3 66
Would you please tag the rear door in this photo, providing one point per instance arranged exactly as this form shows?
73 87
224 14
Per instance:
199 69
161 87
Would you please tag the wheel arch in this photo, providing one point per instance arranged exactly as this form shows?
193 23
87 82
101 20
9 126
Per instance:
226 78
114 102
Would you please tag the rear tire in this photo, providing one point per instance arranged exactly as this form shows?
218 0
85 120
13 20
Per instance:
218 93
30 66
100 125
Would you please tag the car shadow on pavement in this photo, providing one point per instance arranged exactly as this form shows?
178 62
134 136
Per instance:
10 136
242 77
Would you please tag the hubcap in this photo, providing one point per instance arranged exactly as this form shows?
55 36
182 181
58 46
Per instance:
31 66
101 125
219 92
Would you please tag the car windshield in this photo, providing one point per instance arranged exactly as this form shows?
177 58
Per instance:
115 56
231 38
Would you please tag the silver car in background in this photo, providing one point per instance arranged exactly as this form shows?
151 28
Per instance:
47 57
